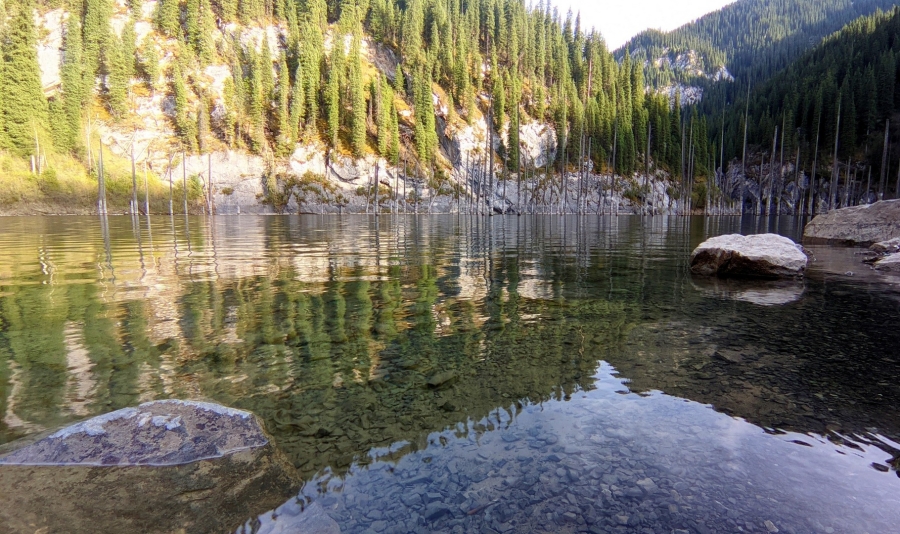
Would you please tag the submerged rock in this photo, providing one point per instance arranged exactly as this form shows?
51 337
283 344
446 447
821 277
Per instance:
753 256
442 379
160 467
858 225
160 433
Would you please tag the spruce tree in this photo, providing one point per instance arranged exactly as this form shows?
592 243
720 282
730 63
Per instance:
498 94
116 67
399 81
229 115
129 49
168 17
385 100
419 128
394 150
24 112
298 101
333 95
357 100
72 80
185 126
311 63
192 23
150 65
257 101
267 81
227 10
95 32
285 131
201 33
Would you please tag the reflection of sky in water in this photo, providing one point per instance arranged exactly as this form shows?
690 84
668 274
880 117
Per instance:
607 458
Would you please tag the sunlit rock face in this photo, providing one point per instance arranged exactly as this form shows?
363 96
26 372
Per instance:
859 225
754 256
159 467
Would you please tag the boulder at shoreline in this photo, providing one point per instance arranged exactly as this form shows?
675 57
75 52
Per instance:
753 256
857 225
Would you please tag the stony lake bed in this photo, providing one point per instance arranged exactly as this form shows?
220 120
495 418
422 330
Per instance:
466 374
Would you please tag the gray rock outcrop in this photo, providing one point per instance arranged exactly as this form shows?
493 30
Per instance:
857 225
163 466
889 264
753 256
886 247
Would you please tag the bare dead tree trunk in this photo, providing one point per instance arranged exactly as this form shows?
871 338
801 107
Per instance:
812 177
884 160
832 193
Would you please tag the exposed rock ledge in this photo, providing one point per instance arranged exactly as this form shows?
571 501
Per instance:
857 225
889 264
164 466
753 256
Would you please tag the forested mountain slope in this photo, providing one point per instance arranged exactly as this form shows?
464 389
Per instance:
845 90
422 84
750 39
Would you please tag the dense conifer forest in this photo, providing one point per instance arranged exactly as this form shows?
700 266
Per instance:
803 64
409 70
752 38
851 78
498 59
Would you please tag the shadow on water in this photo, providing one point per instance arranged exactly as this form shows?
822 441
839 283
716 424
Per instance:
354 339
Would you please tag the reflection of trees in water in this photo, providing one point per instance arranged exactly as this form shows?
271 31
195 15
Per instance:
335 365
338 368
331 329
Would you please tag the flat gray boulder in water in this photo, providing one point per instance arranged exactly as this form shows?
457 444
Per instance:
857 225
752 256
165 466
167 432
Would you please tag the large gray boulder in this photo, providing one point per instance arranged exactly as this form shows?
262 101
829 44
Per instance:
857 225
163 466
753 256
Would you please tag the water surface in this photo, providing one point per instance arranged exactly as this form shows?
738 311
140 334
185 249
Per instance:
462 374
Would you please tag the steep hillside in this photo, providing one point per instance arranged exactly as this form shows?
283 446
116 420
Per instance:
283 102
749 40
839 101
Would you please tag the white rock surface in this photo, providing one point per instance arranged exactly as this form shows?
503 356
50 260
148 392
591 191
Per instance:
49 46
755 256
